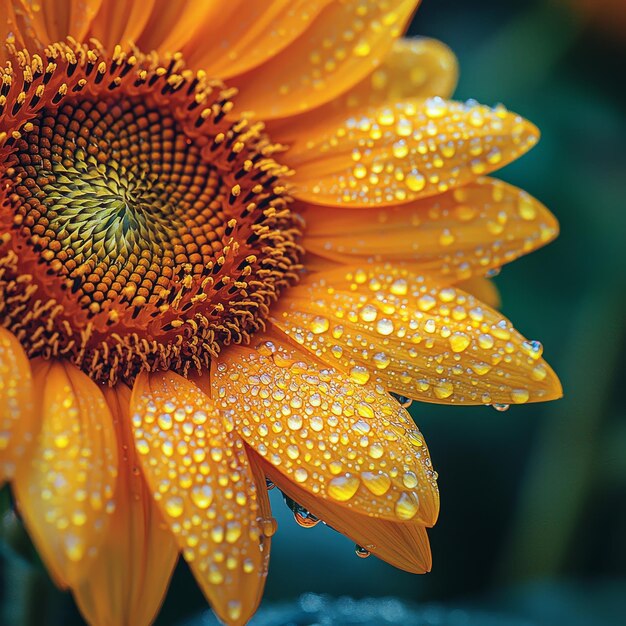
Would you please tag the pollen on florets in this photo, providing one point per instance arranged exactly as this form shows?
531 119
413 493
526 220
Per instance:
142 226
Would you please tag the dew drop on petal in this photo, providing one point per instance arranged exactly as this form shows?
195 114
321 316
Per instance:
342 488
407 506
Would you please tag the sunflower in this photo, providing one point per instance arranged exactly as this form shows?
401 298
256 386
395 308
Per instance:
235 238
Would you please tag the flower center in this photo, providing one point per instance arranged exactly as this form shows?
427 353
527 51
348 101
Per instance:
140 227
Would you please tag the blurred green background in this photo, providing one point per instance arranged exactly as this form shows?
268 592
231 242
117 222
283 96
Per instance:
533 517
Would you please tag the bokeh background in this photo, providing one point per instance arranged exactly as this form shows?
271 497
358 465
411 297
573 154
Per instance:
533 521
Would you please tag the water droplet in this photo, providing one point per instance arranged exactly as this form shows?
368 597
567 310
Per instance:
436 107
400 149
174 506
409 480
501 407
459 341
407 506
233 608
361 552
359 374
300 475
443 389
142 446
233 531
381 360
268 526
368 313
74 547
415 181
365 410
342 488
384 326
520 396
399 287
378 483
164 421
302 517
405 402
202 496
319 325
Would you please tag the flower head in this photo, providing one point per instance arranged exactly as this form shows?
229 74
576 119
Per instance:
228 235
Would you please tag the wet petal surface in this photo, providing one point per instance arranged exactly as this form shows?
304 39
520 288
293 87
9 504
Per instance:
333 436
416 337
65 484
404 151
461 233
401 544
200 478
17 417
130 575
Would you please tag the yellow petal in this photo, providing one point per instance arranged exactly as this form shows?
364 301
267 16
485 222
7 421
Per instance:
336 438
402 544
17 418
343 44
413 68
464 232
64 485
199 475
403 151
130 575
415 337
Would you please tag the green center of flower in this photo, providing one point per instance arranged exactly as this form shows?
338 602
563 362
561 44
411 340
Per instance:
116 198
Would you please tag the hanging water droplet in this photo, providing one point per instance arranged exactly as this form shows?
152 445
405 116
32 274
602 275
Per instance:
360 551
269 484
492 273
405 402
501 407
301 515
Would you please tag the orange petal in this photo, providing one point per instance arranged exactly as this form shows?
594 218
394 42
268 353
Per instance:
9 28
265 513
415 337
47 21
400 152
343 44
197 469
460 233
413 68
249 34
130 575
64 485
339 440
170 25
17 418
402 544
123 21
483 289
